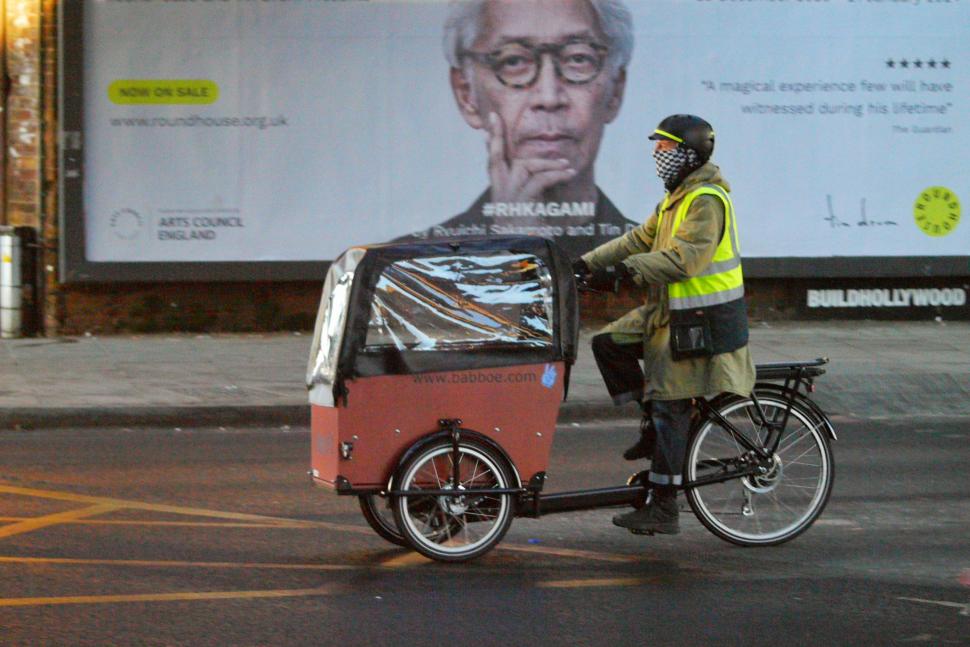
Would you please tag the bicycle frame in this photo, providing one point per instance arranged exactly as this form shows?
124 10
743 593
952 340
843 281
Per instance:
534 503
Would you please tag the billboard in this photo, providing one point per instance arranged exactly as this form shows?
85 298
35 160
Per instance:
260 138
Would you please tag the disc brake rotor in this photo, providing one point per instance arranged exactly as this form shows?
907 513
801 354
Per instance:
764 483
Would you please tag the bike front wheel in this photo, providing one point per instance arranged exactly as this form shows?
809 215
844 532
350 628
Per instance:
454 527
763 509
379 516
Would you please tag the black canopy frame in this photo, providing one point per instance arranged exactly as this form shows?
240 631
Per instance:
354 361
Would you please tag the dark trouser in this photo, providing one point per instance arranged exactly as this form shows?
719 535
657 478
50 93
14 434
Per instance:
619 364
671 419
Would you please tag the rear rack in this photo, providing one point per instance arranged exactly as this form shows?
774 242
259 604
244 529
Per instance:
791 370
795 377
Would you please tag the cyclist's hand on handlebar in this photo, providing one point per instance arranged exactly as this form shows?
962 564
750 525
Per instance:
611 278
580 268
582 273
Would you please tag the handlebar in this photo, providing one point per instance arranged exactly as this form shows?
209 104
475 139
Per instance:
582 284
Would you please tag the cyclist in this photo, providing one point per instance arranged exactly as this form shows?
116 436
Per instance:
692 331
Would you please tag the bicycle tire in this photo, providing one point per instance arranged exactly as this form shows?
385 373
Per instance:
749 511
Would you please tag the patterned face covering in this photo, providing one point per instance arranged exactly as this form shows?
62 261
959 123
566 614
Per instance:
672 164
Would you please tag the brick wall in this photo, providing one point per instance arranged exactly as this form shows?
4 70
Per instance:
190 307
23 131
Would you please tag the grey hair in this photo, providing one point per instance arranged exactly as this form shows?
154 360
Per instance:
464 22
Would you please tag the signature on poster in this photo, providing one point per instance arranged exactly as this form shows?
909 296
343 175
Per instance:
835 222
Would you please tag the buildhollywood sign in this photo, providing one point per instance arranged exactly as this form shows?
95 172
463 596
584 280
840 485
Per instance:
886 298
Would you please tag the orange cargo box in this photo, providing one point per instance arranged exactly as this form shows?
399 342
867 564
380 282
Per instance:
357 446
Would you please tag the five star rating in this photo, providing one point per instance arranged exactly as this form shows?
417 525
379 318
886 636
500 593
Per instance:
918 63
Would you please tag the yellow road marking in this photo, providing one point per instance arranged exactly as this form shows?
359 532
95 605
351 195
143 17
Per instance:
283 522
174 563
570 552
174 509
413 559
190 524
407 559
597 582
162 597
35 523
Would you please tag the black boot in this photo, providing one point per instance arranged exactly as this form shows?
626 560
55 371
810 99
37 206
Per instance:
643 448
660 515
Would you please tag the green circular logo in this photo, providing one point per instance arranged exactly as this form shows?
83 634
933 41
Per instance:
937 211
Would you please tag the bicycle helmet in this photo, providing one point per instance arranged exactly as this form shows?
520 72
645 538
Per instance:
689 131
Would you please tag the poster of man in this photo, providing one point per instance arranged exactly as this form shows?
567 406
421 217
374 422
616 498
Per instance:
269 133
541 80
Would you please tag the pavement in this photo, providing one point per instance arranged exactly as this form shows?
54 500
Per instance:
877 370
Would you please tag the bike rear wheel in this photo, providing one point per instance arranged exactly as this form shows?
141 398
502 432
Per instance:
763 509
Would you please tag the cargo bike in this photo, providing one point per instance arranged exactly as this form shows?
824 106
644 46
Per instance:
436 374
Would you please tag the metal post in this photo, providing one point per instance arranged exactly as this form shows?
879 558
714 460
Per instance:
11 290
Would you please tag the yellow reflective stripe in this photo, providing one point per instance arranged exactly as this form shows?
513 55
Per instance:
664 133
717 267
706 300
708 284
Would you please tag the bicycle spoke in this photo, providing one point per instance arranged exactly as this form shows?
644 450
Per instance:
774 500
750 414
781 503
728 437
468 482
446 522
800 438
794 461
798 487
732 491
427 524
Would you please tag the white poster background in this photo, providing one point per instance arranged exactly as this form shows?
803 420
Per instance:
369 145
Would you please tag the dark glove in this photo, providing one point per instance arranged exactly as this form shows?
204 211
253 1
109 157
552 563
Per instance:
582 273
611 278
580 268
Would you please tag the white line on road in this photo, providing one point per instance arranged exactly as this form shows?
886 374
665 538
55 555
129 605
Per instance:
836 522
964 607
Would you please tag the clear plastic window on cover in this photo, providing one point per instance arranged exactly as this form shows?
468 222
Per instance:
331 332
462 302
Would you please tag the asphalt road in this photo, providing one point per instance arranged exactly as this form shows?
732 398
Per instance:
215 537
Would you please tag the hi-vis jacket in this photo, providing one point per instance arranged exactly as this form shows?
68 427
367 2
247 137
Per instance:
685 258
